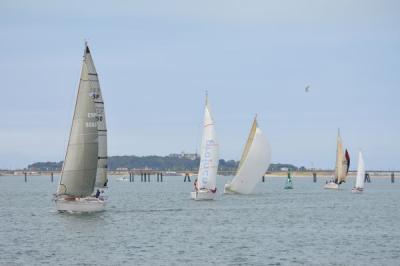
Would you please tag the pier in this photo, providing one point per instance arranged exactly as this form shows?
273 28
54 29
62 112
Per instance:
145 174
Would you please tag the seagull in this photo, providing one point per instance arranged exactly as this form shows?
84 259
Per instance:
307 88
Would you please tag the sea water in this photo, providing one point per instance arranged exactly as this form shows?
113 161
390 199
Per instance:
158 224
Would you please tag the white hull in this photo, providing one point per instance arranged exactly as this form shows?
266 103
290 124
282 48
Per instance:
331 185
357 190
288 186
202 195
88 204
228 190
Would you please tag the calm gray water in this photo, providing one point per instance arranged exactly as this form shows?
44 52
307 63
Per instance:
157 224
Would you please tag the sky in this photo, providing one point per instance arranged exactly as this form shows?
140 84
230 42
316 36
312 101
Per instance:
156 59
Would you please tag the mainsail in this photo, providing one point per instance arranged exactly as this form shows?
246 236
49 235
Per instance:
360 172
255 160
80 165
209 155
101 176
342 162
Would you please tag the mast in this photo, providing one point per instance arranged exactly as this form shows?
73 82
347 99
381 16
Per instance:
338 152
80 164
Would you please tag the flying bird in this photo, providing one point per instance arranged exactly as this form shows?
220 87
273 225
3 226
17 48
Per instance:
307 88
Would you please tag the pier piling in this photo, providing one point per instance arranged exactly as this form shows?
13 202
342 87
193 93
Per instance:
367 179
26 180
52 177
188 177
263 178
148 177
314 177
141 177
161 176
131 177
392 177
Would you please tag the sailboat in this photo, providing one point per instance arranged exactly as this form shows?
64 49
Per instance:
205 184
360 175
86 152
289 182
255 160
342 166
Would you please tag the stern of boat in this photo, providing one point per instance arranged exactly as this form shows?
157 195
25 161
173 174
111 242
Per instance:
202 195
331 185
80 205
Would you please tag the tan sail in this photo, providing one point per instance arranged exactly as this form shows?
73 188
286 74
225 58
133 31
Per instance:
341 162
255 160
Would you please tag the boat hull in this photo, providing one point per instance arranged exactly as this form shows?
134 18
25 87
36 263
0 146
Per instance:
289 185
80 205
228 190
331 185
202 195
357 190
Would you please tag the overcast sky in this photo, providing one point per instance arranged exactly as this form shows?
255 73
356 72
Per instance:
156 59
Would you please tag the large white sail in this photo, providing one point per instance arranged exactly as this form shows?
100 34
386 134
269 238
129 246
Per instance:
342 164
255 160
360 172
80 165
209 155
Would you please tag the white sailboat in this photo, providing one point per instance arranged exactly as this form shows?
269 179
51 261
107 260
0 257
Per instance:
205 184
255 160
341 167
78 176
360 175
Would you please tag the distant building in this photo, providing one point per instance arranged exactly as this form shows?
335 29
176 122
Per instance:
183 155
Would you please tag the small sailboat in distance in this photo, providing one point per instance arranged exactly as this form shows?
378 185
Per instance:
341 167
205 184
82 159
254 163
360 175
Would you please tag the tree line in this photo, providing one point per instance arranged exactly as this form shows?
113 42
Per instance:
164 163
